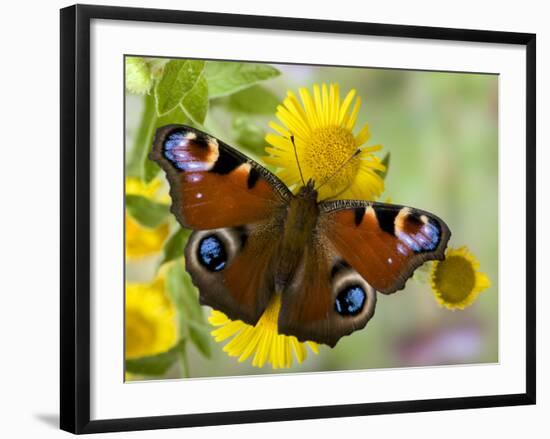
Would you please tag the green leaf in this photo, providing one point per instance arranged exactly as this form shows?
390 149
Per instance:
154 364
386 163
195 103
177 115
185 298
150 170
200 326
156 65
175 245
249 135
254 100
179 77
225 77
145 211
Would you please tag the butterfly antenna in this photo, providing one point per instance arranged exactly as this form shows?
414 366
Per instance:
343 165
297 161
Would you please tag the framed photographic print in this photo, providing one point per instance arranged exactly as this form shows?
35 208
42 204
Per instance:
248 228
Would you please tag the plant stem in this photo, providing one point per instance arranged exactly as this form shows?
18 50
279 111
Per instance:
136 162
184 363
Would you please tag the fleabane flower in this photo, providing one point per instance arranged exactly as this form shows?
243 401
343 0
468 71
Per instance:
262 340
456 281
153 190
150 319
327 149
142 241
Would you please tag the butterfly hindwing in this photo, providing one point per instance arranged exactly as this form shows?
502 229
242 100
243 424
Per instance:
327 298
385 243
233 268
211 184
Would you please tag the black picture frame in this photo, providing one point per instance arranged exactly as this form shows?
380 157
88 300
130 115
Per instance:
75 217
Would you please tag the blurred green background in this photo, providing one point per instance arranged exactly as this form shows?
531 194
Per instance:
441 130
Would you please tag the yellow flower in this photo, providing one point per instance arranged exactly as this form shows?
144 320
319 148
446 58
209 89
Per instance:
142 241
262 340
150 317
456 281
153 190
322 127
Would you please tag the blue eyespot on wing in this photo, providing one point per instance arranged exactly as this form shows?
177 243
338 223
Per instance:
350 301
211 253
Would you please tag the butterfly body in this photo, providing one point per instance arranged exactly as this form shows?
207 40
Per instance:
254 238
298 231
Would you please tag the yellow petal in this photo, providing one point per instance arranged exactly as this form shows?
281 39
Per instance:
345 106
325 114
287 352
482 281
310 109
262 353
293 105
318 103
299 350
227 330
363 135
373 148
279 142
251 346
353 118
313 346
294 124
218 318
282 131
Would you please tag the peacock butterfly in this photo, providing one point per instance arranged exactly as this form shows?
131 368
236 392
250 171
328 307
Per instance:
254 238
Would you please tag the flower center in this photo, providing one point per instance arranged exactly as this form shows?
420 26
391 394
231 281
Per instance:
328 149
455 278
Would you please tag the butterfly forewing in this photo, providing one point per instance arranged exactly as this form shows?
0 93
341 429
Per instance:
385 243
211 184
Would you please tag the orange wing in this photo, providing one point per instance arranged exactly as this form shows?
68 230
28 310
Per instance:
233 268
213 185
327 299
385 243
